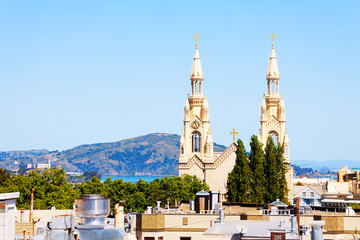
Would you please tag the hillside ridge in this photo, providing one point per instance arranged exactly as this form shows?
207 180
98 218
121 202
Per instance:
151 154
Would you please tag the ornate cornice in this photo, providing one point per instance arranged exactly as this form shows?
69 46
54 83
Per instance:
232 148
273 124
194 160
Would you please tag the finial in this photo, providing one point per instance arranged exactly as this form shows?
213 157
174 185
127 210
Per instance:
273 36
197 38
234 133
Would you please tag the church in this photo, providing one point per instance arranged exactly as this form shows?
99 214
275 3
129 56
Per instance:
197 156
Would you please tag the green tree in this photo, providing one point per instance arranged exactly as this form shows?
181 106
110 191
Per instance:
281 168
51 189
257 168
240 178
4 176
270 170
95 186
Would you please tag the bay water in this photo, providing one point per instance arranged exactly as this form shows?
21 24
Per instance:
132 179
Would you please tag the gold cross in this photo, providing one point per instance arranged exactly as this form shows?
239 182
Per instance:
234 133
197 38
273 36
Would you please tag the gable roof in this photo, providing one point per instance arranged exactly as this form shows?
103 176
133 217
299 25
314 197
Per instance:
224 155
299 189
278 203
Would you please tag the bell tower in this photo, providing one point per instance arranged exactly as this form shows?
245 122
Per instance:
272 118
196 142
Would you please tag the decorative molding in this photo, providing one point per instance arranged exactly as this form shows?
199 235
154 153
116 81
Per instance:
194 160
232 148
195 124
273 123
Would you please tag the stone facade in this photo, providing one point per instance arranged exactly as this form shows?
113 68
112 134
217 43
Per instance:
197 155
273 119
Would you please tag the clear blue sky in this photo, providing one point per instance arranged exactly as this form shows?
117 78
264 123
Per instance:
78 72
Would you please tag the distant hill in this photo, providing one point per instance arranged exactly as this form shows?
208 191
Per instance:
332 165
152 154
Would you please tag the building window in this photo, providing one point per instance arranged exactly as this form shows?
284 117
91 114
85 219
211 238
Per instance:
160 238
185 221
149 238
185 238
304 194
275 137
312 194
196 142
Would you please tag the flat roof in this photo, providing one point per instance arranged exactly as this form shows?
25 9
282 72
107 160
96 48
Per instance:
12 195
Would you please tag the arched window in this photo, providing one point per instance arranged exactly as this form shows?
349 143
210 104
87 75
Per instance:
182 150
196 142
274 137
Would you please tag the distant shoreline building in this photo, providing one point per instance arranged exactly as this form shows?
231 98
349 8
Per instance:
39 165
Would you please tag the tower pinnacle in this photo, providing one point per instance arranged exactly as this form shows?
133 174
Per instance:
196 75
273 71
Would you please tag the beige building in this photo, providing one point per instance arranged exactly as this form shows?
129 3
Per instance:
273 119
190 226
350 176
197 155
334 187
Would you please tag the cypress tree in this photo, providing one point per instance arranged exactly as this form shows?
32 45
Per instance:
239 179
271 173
281 168
257 168
232 192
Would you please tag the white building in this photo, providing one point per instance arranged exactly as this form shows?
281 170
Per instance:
311 181
309 195
7 215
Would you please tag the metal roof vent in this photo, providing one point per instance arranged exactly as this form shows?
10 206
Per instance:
92 210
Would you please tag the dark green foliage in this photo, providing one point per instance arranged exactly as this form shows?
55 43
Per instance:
94 186
51 189
262 178
142 194
270 169
281 168
354 205
4 175
240 178
257 168
91 174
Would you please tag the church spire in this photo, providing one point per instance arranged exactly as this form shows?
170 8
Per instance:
196 75
273 74
273 71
